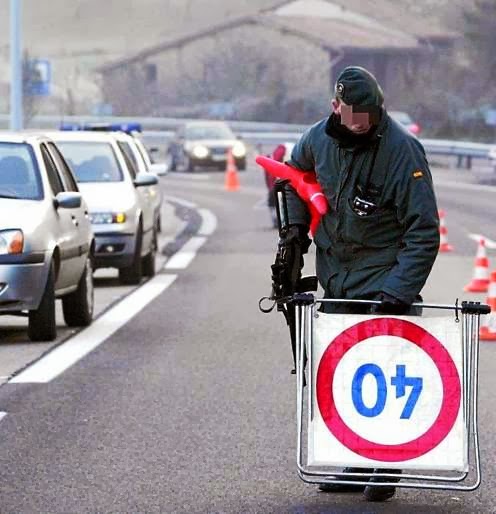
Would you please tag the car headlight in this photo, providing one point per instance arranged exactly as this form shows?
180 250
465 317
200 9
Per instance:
239 150
11 242
200 151
106 218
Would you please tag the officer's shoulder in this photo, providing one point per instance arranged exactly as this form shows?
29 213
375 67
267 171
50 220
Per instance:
316 132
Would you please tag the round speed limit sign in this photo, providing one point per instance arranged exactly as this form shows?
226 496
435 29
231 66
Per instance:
387 390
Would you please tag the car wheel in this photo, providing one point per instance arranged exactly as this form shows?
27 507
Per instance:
78 306
149 259
42 325
159 224
131 275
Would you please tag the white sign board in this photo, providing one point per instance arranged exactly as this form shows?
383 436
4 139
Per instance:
387 393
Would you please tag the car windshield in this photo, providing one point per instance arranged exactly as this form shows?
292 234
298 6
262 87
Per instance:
19 175
91 161
209 132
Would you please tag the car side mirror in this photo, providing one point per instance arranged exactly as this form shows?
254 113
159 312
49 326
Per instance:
67 200
145 179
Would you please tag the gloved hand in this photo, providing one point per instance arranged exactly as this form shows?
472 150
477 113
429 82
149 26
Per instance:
389 305
298 233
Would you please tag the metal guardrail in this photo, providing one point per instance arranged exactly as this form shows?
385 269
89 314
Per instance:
154 124
460 149
160 130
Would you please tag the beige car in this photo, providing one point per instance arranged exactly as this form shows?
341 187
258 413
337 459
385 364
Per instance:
46 241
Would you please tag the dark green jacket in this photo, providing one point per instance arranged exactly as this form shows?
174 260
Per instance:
391 250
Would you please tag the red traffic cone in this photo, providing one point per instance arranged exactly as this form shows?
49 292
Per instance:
480 278
231 182
487 331
443 233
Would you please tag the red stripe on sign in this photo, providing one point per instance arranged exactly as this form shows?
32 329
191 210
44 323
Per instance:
429 344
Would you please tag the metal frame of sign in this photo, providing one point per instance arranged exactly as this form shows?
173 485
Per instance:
461 481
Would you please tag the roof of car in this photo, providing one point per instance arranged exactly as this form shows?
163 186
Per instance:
121 136
81 135
21 137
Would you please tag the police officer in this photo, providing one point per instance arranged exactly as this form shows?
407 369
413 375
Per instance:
380 237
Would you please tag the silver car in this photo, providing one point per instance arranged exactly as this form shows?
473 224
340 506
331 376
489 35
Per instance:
138 156
119 200
46 241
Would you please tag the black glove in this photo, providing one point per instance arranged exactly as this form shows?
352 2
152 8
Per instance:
389 305
298 233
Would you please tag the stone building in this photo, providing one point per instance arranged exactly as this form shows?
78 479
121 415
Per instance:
278 58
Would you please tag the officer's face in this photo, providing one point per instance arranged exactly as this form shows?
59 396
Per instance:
356 122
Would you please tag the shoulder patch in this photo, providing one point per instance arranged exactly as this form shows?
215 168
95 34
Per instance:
418 174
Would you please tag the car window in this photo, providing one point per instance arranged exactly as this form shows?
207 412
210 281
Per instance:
209 132
53 176
91 161
129 153
129 163
65 172
144 153
19 173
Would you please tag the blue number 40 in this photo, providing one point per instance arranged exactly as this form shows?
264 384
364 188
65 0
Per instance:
400 381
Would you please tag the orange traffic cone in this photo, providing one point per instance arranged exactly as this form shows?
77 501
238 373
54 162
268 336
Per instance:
443 233
487 330
231 182
480 278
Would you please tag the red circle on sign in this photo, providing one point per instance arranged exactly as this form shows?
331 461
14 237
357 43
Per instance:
416 335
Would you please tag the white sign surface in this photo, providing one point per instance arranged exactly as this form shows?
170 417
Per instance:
387 392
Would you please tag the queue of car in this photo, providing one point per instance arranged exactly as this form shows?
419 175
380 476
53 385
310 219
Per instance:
71 202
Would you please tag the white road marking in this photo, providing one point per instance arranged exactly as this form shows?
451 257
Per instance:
186 254
67 354
209 222
489 243
180 201
2 415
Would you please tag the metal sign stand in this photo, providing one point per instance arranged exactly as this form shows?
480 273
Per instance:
306 310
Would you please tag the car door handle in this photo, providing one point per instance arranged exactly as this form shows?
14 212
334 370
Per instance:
74 220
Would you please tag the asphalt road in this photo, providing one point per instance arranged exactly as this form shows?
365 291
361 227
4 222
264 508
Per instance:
189 407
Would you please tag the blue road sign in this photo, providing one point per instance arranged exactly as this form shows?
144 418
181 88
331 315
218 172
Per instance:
39 77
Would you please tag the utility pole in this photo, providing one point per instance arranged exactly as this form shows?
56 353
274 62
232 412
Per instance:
15 66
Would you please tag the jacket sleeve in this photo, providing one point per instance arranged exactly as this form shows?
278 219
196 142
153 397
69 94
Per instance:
416 208
302 159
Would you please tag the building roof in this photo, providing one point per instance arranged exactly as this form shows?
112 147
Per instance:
333 25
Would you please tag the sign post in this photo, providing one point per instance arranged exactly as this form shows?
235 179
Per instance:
15 66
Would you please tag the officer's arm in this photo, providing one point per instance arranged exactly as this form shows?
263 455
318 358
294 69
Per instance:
302 159
416 209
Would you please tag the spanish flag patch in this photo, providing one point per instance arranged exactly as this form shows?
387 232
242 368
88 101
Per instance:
418 174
